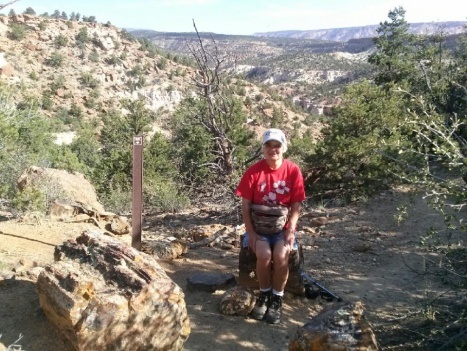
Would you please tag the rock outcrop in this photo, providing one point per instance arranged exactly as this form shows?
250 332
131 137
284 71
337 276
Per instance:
104 295
60 184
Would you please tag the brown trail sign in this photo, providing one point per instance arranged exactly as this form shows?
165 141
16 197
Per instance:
137 202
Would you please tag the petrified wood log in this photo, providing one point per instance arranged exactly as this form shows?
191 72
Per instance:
237 301
342 327
104 295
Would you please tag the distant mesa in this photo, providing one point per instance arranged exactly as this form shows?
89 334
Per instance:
348 33
343 34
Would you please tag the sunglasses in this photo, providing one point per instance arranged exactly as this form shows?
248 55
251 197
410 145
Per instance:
273 145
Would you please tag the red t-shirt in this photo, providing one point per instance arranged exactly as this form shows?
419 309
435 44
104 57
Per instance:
263 185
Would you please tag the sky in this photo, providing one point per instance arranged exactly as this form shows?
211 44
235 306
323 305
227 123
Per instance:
245 17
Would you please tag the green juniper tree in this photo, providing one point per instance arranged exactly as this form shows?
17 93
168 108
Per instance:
394 55
29 11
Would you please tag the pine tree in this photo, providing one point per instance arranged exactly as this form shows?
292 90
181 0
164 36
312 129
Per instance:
29 11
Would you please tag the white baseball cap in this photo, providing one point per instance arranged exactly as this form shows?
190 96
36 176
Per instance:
276 135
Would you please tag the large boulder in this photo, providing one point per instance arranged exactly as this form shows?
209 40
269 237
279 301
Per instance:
104 295
61 184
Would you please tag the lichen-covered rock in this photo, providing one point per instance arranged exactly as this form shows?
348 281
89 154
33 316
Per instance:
104 295
237 301
342 327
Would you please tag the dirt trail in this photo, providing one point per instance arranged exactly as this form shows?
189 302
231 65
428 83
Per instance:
362 254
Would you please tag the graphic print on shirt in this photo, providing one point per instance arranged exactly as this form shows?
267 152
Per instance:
271 198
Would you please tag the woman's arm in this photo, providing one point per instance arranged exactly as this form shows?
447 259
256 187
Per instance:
292 223
246 214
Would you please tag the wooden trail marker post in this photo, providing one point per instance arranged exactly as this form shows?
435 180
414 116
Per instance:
137 198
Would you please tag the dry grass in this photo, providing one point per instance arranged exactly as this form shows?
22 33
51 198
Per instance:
15 346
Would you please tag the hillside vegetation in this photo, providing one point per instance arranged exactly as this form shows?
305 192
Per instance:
101 86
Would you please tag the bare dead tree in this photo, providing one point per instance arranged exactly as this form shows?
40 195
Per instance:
210 81
7 4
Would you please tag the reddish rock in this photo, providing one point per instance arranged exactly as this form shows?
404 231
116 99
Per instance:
7 70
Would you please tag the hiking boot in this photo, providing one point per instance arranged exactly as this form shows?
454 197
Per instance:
274 314
261 305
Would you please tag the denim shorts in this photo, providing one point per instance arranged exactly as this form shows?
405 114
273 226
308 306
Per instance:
271 239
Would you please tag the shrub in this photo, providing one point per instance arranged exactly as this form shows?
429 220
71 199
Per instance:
55 60
95 93
62 115
87 80
59 82
241 91
60 41
117 201
75 110
135 71
47 102
94 56
162 63
112 60
90 102
29 103
82 36
124 34
33 75
17 31
29 200
163 195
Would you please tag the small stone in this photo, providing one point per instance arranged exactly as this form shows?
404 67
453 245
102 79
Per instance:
237 301
319 222
210 282
362 247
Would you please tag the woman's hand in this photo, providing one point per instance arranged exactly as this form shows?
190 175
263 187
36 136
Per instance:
252 237
289 237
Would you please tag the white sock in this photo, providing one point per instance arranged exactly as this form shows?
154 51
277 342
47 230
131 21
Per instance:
265 290
278 293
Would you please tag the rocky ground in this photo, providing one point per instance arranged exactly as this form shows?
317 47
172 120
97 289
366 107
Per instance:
361 254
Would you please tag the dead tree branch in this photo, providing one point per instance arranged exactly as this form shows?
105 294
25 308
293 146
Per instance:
7 4
218 117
